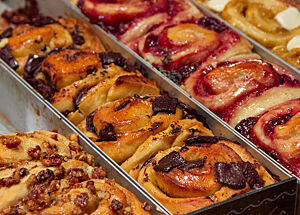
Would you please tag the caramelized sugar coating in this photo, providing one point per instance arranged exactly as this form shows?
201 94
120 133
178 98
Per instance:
43 172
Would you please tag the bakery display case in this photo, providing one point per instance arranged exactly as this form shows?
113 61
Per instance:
98 127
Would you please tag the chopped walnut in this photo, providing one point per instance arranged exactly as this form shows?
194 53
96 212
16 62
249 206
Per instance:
9 181
51 160
10 142
44 175
81 200
98 173
90 185
35 153
116 205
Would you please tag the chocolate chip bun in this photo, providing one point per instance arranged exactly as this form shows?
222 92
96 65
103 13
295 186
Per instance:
43 172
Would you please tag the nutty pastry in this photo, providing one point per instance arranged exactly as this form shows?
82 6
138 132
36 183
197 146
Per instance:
120 127
130 19
38 35
186 168
184 47
43 172
276 130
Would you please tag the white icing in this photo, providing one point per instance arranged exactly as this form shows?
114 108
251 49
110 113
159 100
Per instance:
289 18
217 5
293 43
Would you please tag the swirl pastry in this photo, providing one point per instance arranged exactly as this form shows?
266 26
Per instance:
43 172
186 46
120 127
41 38
259 19
276 130
130 19
203 171
231 86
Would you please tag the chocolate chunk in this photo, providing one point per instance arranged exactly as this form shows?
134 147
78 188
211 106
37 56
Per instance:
44 88
147 162
7 33
235 175
78 97
191 113
175 130
245 126
164 104
169 162
107 134
203 141
116 205
8 58
229 175
122 105
33 66
89 122
212 24
77 38
10 142
184 149
42 20
155 125
175 160
81 200
112 57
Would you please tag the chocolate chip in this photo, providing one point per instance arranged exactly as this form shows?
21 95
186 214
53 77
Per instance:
107 134
8 58
7 33
175 130
164 104
78 97
33 66
122 105
112 57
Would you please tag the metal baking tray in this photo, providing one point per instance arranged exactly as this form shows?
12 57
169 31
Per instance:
274 199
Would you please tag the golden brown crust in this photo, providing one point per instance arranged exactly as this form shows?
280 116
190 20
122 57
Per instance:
56 178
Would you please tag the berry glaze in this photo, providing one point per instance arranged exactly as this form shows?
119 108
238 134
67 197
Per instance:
184 47
140 17
276 131
225 87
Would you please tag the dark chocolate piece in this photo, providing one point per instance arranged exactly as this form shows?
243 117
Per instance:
175 160
89 122
33 66
7 33
112 57
122 105
235 175
192 114
164 104
77 38
107 134
78 97
8 58
174 76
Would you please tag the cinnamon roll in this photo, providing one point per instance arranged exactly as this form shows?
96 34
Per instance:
184 47
230 87
120 127
43 172
204 171
276 130
128 20
268 22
